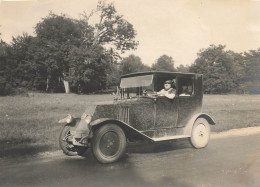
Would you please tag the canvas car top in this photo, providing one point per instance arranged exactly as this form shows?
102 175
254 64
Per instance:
156 72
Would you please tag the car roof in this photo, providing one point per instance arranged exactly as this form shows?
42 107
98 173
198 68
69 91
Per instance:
156 72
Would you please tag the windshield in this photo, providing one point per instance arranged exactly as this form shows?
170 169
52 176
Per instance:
136 86
139 81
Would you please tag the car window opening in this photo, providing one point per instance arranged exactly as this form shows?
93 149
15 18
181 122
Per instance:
161 78
138 86
186 86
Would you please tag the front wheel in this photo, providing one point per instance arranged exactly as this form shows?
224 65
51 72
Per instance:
200 133
108 143
65 145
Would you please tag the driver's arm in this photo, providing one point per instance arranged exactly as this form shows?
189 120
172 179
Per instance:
161 93
171 94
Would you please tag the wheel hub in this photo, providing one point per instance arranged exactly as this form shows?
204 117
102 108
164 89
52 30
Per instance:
201 129
200 134
109 143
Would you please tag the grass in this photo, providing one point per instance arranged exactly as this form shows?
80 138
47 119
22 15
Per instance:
29 124
232 111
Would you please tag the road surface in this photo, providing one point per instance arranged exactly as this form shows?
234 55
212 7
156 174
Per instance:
227 161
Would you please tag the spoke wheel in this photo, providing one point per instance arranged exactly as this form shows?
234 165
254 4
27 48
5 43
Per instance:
200 133
65 145
109 143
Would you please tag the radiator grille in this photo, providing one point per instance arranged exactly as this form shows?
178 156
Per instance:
123 114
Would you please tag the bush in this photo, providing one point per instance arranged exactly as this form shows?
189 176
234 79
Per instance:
106 91
21 91
6 89
9 90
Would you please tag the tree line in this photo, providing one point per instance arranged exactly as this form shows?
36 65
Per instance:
77 55
66 53
224 71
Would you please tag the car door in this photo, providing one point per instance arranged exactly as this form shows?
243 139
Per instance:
166 112
187 100
142 114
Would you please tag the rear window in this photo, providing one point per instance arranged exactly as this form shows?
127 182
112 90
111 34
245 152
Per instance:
186 86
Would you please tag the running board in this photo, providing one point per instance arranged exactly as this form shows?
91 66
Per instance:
169 138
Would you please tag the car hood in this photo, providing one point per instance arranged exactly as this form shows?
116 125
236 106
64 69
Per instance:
113 109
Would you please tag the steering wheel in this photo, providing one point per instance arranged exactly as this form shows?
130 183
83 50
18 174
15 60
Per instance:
150 93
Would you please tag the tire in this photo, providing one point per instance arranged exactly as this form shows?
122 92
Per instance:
66 147
108 143
200 133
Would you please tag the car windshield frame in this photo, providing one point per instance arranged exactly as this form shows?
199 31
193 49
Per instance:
136 86
137 81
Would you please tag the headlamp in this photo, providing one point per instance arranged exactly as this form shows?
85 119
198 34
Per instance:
83 116
86 118
67 119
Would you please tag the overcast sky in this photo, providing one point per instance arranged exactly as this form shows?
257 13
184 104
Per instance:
178 28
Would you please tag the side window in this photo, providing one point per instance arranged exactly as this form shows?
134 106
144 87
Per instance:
185 86
161 78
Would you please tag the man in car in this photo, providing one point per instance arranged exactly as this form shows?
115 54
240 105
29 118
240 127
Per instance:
168 91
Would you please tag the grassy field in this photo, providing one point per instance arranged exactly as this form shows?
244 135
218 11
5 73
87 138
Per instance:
29 124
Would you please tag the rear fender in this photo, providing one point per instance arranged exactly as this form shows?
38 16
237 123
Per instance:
130 132
188 128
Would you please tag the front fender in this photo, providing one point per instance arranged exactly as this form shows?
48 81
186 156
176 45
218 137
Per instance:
74 122
69 121
188 128
130 132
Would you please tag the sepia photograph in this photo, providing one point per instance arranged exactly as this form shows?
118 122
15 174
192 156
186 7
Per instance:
130 93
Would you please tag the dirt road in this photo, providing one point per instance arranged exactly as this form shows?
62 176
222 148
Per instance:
231 159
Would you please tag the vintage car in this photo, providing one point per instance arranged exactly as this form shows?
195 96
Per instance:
138 114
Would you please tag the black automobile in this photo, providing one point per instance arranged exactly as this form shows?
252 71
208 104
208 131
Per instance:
138 114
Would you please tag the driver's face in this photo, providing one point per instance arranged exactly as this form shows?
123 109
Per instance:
167 86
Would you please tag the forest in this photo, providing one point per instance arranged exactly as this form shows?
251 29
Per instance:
74 55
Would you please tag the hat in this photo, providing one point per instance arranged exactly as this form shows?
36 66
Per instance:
168 82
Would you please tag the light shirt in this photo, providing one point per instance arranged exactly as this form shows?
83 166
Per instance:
170 93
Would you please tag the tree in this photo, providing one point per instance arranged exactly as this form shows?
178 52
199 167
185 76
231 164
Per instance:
56 36
252 70
23 55
61 37
164 63
111 30
219 69
4 70
88 68
132 64
113 75
19 64
183 69
69 51
237 72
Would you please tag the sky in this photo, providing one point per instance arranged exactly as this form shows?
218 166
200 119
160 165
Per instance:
177 28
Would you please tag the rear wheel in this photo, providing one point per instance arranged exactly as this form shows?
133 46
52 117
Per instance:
108 143
200 133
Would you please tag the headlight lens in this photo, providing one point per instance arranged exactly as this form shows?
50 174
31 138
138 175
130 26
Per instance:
83 116
86 118
67 119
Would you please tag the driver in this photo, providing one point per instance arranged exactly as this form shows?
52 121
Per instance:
168 91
